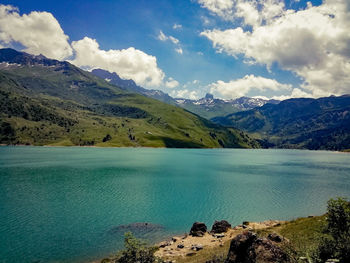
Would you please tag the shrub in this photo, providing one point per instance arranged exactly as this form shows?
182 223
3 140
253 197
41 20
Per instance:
135 251
337 242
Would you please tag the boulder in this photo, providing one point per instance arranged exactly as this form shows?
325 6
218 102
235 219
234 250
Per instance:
220 227
198 229
248 248
275 238
180 245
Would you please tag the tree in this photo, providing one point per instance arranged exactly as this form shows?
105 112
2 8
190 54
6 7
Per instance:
337 242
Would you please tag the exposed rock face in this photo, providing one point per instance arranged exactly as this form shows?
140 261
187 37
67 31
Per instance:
198 229
248 248
220 227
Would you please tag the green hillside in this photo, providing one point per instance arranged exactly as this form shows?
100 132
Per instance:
47 102
298 123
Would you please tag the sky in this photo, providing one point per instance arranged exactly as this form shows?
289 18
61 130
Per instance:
186 48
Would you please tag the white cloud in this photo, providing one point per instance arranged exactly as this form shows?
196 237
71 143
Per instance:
127 63
179 50
177 26
253 12
174 40
296 93
221 8
185 94
241 87
163 37
314 43
171 83
38 32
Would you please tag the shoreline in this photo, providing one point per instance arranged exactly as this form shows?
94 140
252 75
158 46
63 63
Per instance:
188 248
347 151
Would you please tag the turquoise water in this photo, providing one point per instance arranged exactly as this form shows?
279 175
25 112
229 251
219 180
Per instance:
60 204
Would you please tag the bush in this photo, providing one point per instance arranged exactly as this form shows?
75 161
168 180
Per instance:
337 242
135 251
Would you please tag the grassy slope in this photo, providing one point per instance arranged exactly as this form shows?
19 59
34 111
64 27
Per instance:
66 106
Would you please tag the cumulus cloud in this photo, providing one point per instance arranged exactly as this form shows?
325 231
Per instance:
171 83
314 43
241 87
185 94
221 8
128 63
296 93
253 12
38 32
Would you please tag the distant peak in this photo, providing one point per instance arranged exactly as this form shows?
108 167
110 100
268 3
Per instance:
209 96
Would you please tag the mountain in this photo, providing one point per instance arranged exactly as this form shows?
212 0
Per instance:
210 107
130 85
305 123
207 107
49 102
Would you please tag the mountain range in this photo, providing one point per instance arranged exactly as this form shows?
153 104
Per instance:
50 102
207 107
304 123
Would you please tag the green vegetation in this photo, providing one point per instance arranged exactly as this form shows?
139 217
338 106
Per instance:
336 243
319 238
135 251
57 104
316 124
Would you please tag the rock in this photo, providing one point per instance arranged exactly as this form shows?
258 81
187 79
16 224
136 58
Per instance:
219 235
248 248
275 238
245 223
191 254
180 246
164 244
174 239
198 229
197 247
220 226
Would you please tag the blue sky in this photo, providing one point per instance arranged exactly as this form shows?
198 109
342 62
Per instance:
212 55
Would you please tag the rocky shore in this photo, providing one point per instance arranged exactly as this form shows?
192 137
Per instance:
200 239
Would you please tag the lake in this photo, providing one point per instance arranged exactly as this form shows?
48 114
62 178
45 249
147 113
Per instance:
67 204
